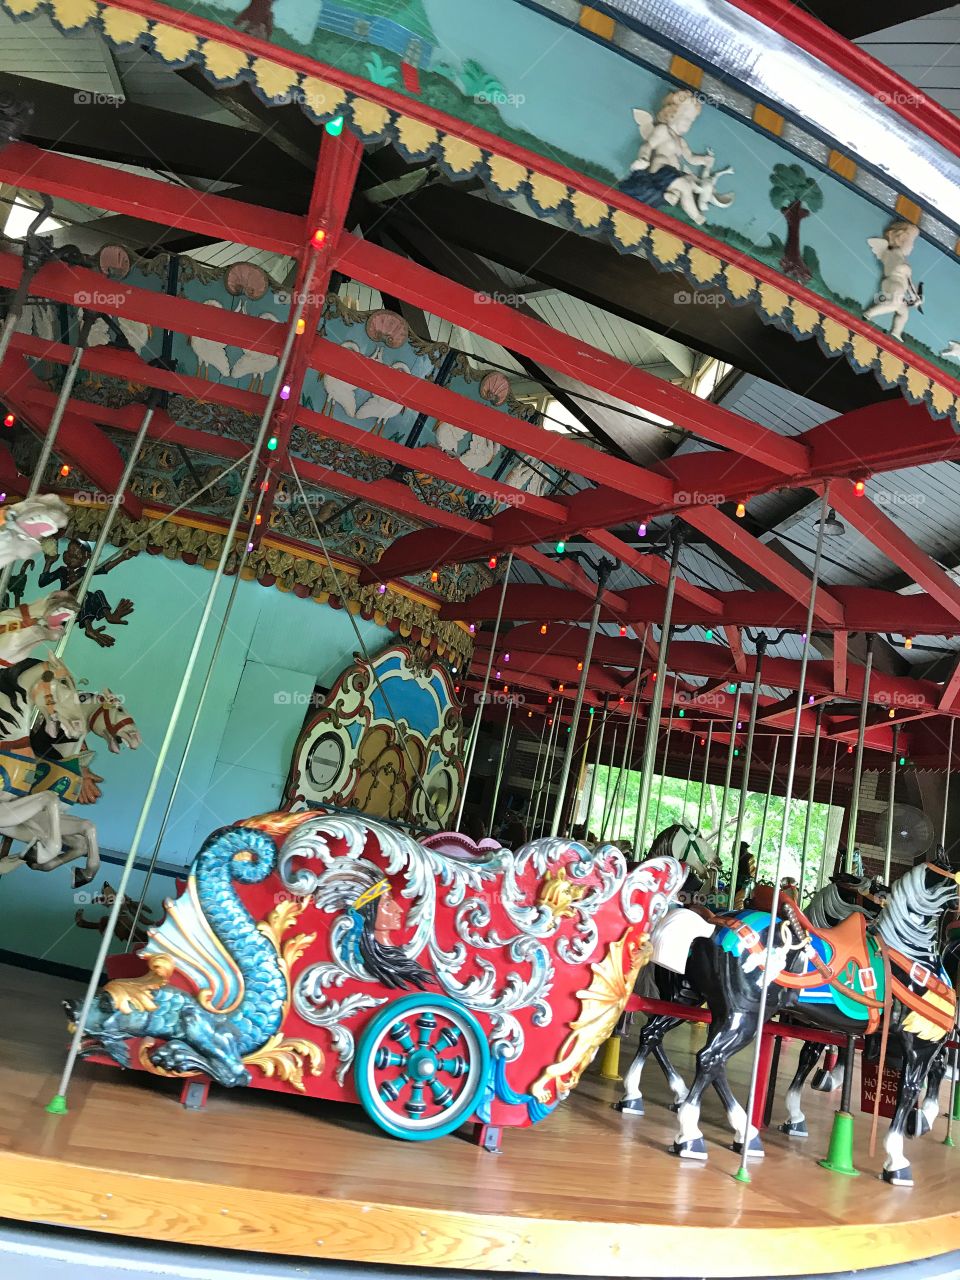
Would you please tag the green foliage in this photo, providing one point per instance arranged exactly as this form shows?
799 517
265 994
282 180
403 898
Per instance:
477 83
380 72
789 183
679 803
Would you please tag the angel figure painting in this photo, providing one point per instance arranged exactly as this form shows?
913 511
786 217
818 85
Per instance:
897 294
666 170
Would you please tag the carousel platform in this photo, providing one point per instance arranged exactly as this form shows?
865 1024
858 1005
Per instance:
586 1193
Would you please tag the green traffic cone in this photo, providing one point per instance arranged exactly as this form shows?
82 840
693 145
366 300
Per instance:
57 1106
840 1156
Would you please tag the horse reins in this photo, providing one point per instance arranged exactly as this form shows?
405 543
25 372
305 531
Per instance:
113 727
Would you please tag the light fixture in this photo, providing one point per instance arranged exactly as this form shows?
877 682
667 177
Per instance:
492 562
272 443
642 529
908 642
543 628
709 633
318 237
334 126
301 326
561 547
741 510
65 470
833 526
9 419
859 487
285 391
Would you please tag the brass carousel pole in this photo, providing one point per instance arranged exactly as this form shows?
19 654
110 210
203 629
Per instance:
475 730
858 758
767 798
810 800
742 1174
833 779
747 758
58 1104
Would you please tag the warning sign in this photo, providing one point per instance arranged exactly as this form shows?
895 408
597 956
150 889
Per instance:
888 1092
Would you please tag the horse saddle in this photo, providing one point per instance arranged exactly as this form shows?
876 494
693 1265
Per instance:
672 938
844 965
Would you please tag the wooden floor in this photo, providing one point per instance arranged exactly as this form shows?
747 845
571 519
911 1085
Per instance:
587 1192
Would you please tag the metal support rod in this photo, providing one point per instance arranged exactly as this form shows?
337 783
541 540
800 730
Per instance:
656 706
706 773
728 773
666 754
946 784
826 829
888 849
745 777
636 819
500 764
686 789
810 800
596 763
536 770
858 758
767 798
628 744
606 793
742 1174
49 439
472 749
58 1103
544 791
575 720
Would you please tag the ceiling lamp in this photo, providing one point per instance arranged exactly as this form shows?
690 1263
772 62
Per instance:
833 526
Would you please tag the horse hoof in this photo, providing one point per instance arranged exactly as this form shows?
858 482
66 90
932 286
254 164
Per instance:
917 1124
899 1177
795 1129
629 1106
823 1081
755 1149
674 1106
81 877
692 1149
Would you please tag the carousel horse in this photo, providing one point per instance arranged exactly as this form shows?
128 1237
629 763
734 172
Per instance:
845 979
827 907
23 524
38 818
42 621
105 715
693 851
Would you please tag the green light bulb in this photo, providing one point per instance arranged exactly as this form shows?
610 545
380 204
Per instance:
272 443
561 547
335 126
709 633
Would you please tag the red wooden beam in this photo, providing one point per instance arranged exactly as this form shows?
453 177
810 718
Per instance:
840 662
569 574
895 544
652 567
388 493
427 289
166 203
735 641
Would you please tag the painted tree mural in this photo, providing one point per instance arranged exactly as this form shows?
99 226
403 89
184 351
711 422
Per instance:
796 195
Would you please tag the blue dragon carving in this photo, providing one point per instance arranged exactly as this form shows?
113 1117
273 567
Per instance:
197 1038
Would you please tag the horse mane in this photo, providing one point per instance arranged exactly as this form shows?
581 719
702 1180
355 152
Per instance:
663 843
11 690
828 907
910 916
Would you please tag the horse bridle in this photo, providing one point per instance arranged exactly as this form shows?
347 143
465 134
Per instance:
113 727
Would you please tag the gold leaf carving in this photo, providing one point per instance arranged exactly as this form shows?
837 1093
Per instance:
286 1059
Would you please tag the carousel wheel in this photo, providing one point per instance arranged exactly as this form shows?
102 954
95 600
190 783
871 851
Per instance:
421 1065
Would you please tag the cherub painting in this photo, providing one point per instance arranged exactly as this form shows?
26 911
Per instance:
666 170
897 290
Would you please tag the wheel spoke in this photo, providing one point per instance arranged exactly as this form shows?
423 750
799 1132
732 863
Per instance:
442 1095
449 1036
426 1024
390 1090
387 1058
400 1031
415 1105
455 1067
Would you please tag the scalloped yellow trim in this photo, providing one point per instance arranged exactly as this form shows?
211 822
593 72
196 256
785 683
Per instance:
369 117
891 367
273 80
416 136
629 229
773 301
666 246
74 14
223 60
172 44
740 283
587 210
918 384
19 7
321 96
461 156
704 266
805 317
548 192
506 175
121 26
835 335
864 351
941 398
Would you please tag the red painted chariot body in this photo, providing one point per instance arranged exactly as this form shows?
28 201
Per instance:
436 983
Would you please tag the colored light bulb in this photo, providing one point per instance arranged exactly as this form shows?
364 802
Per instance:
709 633
560 688
859 487
65 470
9 420
272 443
642 529
334 126
285 391
908 642
731 687
892 712
543 628
381 589
902 760
623 631
579 666
681 713
434 577
741 510
506 657
301 326
473 629
561 547
492 562
318 237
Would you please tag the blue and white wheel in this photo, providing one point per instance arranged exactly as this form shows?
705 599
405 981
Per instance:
421 1064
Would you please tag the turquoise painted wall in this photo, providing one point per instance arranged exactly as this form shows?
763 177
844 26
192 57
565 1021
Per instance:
276 648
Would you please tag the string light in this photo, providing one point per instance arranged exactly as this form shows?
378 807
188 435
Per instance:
902 760
736 751
318 237
561 547
892 712
908 642
741 510
642 529
550 699
731 687
859 487
709 633
285 391
579 666
434 576
65 470
492 562
850 750
259 519
473 629
272 443
334 126
497 676
681 713
301 326
249 546
506 657
543 628
9 420
560 688
623 630
381 590
703 742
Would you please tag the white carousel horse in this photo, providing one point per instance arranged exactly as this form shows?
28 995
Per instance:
39 818
26 626
23 524
105 715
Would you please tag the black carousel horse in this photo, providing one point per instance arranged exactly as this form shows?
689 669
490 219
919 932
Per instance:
843 979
